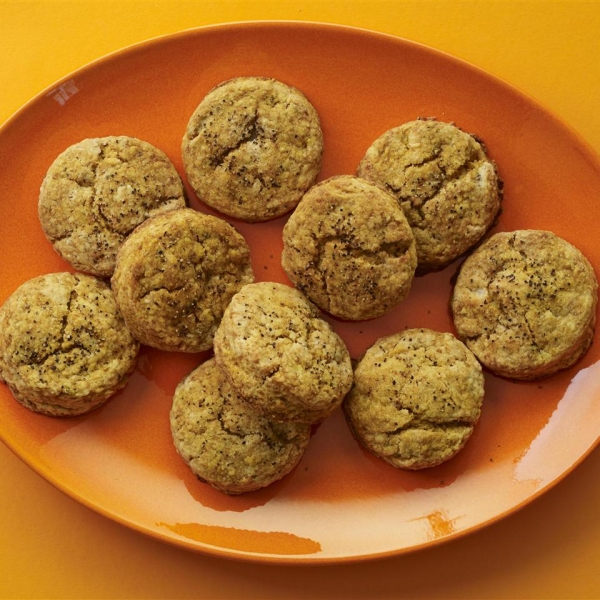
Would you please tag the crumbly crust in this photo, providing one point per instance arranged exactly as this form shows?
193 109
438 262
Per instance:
447 187
64 346
525 303
281 356
98 191
416 398
224 441
252 147
349 248
175 275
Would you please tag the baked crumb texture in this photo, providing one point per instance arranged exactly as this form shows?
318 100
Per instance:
64 346
525 303
97 191
224 441
445 184
252 147
281 356
175 275
416 398
349 248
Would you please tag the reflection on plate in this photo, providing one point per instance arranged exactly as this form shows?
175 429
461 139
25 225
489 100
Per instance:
339 504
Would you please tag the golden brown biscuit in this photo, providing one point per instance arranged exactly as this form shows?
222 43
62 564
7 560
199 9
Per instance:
281 356
447 187
525 303
224 441
349 248
98 191
416 398
252 148
175 275
64 346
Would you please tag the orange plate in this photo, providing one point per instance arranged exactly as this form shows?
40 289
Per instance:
339 504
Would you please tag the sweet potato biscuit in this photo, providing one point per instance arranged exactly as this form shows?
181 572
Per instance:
525 303
97 191
349 248
224 441
447 187
416 398
281 356
175 275
252 148
64 346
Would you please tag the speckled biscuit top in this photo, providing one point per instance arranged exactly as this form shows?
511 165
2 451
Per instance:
97 191
349 248
525 303
224 441
175 275
252 148
444 182
416 398
64 346
281 355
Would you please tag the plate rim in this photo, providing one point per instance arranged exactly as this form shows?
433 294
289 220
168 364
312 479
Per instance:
326 25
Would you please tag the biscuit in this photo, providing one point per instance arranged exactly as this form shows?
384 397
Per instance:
64 346
174 276
281 356
349 248
447 187
416 398
224 442
252 147
97 191
525 303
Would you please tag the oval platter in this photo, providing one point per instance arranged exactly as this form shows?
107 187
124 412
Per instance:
340 504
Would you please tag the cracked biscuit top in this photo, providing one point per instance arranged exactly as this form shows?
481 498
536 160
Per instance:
252 148
447 187
281 356
64 346
416 398
174 276
224 441
349 248
97 191
525 303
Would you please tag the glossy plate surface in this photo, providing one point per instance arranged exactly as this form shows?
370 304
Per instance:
340 504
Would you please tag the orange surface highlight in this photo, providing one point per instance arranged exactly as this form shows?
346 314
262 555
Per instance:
245 540
439 523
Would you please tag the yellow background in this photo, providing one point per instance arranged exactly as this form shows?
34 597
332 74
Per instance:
52 547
